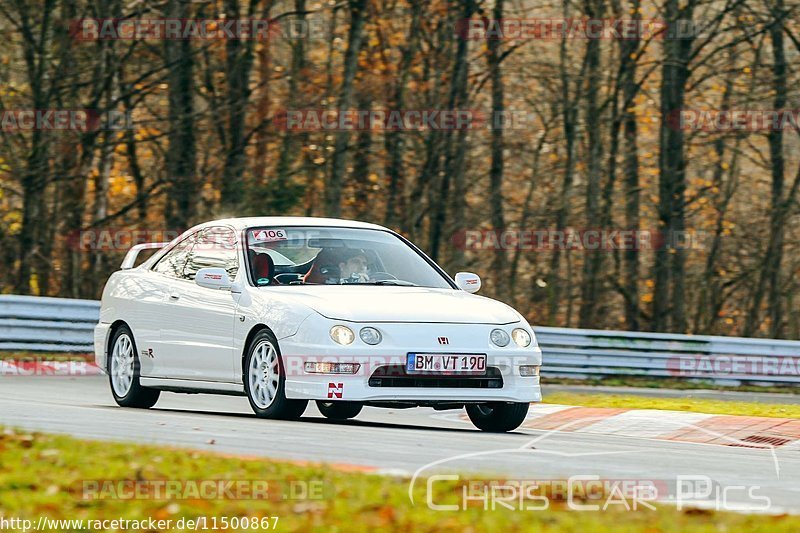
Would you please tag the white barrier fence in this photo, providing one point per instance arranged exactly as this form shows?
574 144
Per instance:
64 325
41 324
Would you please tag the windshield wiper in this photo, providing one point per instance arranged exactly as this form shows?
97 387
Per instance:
398 282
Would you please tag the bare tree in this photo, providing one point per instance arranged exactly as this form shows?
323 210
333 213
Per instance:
181 152
493 59
670 264
333 188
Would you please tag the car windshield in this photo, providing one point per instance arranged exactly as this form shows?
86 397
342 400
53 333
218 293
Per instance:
336 256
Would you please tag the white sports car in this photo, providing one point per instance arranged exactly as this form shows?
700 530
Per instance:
286 309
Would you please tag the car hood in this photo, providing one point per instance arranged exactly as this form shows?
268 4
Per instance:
396 304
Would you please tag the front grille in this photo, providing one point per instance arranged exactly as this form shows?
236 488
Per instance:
396 376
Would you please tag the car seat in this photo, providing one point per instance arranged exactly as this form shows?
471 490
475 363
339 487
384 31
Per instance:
325 269
263 268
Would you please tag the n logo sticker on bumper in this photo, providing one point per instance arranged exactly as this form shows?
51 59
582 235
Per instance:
335 390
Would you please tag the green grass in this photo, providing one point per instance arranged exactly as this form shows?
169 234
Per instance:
44 475
668 383
695 405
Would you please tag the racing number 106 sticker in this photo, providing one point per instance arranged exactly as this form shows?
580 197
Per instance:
269 235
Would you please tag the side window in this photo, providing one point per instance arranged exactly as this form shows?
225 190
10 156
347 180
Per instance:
174 261
215 247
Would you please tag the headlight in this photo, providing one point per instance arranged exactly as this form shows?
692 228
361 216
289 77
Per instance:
370 335
521 337
342 335
499 337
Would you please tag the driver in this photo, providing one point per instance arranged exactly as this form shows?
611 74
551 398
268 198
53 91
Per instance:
353 267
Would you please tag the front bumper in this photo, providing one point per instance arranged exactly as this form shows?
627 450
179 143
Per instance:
400 339
350 388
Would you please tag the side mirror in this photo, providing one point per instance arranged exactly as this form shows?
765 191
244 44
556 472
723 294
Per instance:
467 281
213 278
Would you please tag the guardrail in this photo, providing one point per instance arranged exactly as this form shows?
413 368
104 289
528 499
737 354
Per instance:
65 325
32 323
586 353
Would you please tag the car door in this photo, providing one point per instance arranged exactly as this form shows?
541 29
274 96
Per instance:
150 294
197 339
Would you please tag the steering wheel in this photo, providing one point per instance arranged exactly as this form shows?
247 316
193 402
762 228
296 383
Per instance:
287 277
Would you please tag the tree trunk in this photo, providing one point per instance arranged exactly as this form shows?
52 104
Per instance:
394 139
668 305
770 272
333 189
37 171
73 168
262 104
592 260
630 149
364 210
100 211
497 164
454 150
238 65
181 152
282 192
569 111
710 300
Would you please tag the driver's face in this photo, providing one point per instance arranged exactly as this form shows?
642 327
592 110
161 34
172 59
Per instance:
354 265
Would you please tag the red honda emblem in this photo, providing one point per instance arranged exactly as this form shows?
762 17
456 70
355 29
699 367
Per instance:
444 340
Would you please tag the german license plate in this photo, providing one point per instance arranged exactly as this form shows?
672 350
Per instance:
437 363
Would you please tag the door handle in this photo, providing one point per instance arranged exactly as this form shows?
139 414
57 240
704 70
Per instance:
174 296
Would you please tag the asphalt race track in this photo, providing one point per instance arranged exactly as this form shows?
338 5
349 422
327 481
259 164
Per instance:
400 442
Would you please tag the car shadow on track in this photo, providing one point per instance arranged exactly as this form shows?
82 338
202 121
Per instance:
310 419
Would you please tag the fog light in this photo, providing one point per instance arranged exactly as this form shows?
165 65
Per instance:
521 337
499 337
332 368
527 371
370 335
342 335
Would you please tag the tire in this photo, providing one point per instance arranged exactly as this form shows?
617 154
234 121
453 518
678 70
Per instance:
124 373
497 417
339 410
265 382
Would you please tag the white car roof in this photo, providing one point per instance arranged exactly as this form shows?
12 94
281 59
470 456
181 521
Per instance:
250 222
